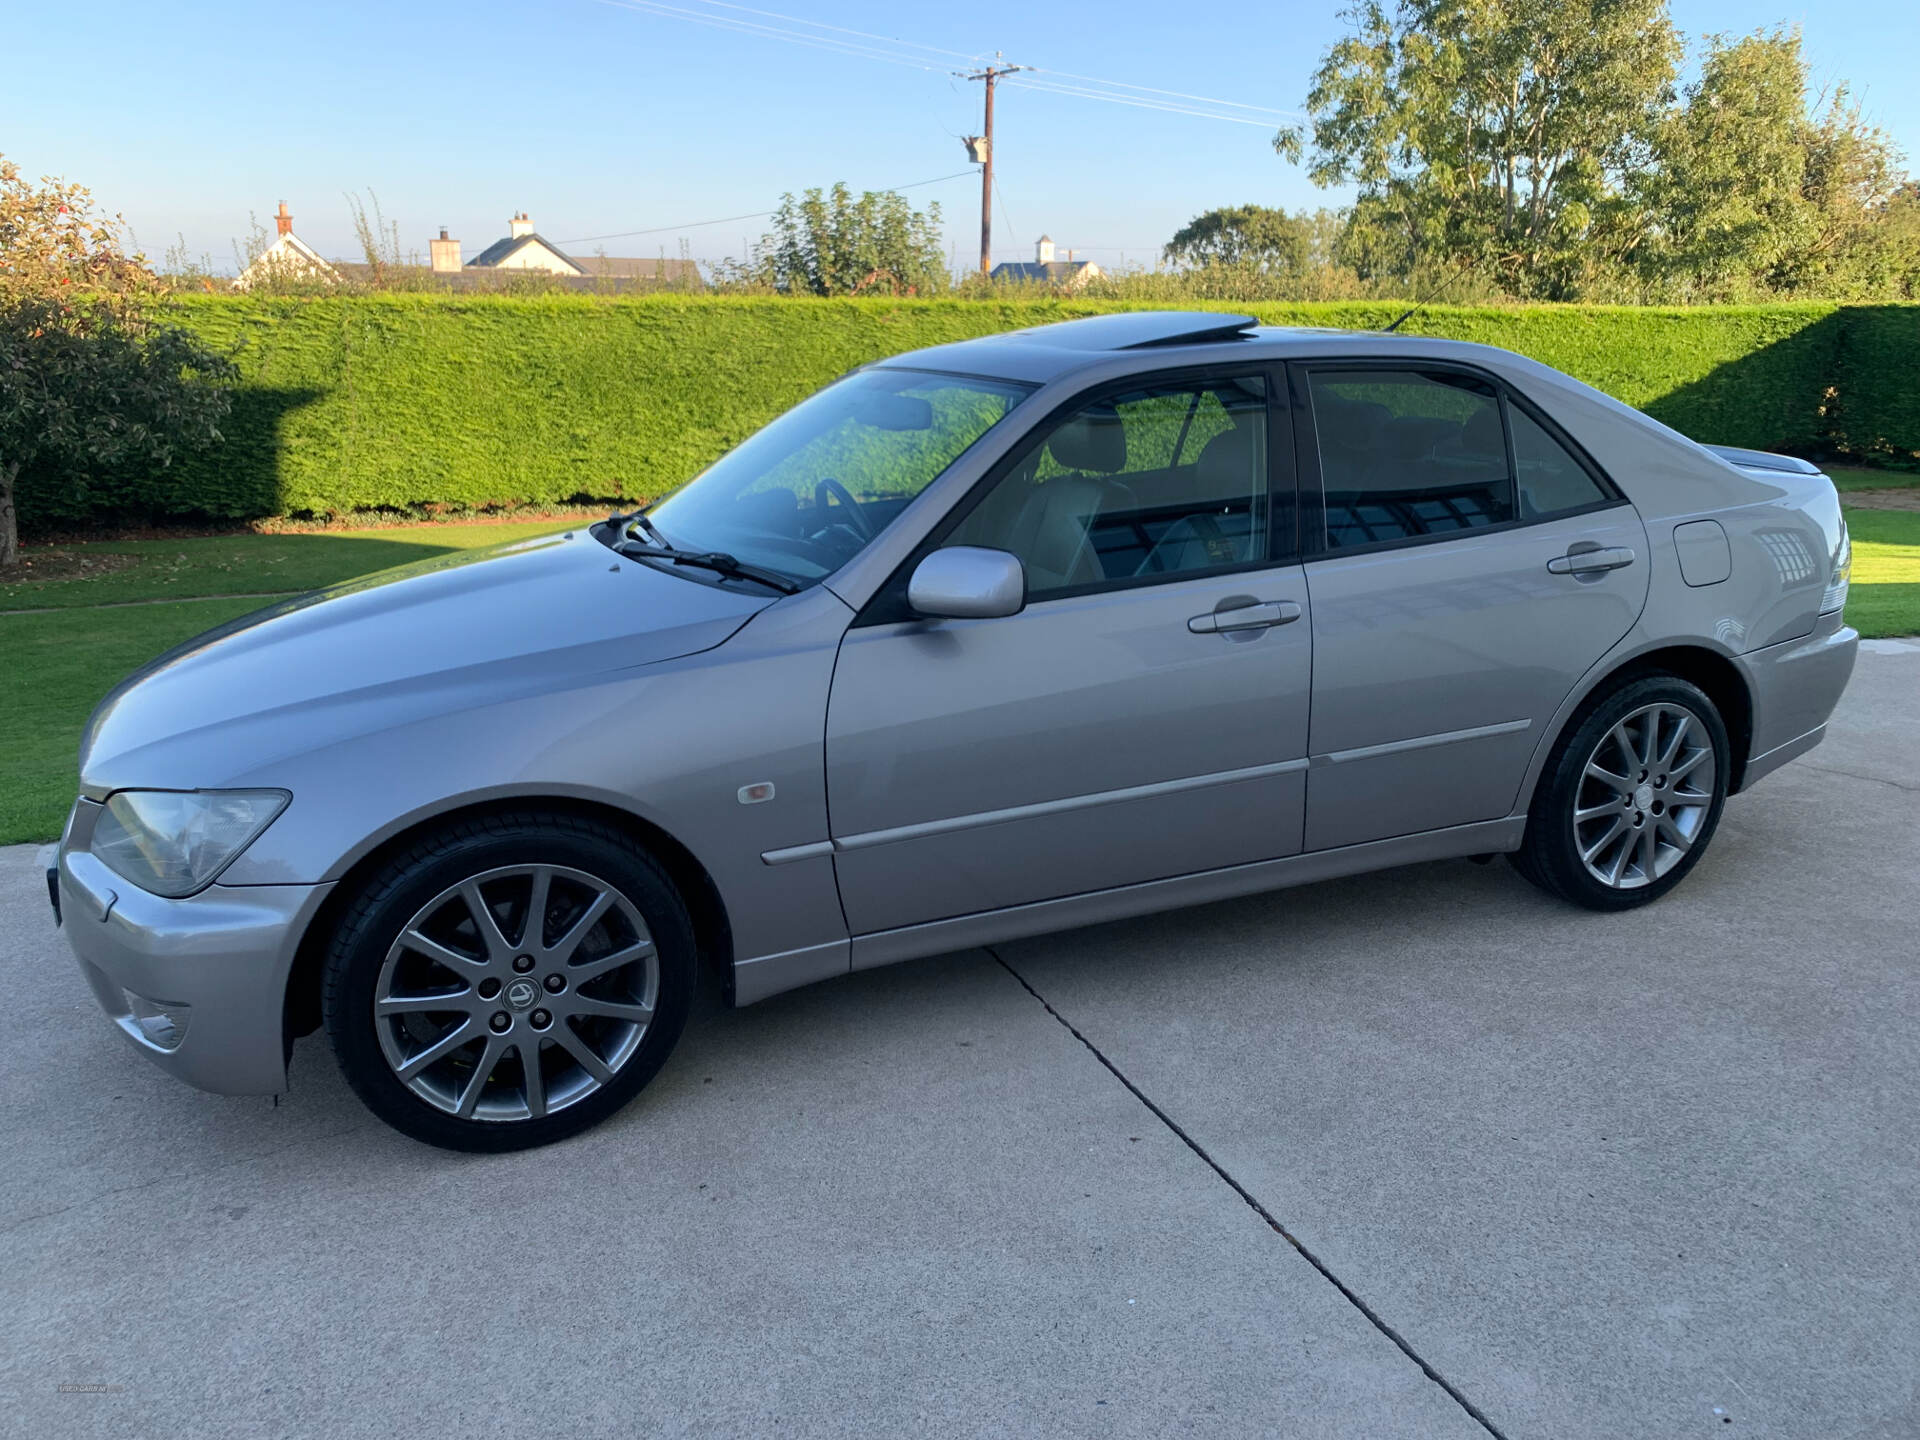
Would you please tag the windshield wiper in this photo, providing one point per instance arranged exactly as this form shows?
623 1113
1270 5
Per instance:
639 517
717 560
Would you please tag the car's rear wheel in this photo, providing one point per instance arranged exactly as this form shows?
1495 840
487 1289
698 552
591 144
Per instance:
509 981
1630 797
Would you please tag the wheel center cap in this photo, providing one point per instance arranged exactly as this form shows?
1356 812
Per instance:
521 993
1643 798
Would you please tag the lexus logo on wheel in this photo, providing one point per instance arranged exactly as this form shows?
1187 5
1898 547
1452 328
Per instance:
522 993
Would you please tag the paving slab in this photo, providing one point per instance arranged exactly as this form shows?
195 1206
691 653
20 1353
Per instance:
908 1203
1650 1174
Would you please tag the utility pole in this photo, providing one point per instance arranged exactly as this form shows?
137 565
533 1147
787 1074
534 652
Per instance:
980 151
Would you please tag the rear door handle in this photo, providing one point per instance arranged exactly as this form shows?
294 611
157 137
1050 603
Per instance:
1246 617
1586 562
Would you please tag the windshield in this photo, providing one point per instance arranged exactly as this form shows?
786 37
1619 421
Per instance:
805 495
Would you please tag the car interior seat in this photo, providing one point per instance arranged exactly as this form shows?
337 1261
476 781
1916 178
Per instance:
1221 528
1053 534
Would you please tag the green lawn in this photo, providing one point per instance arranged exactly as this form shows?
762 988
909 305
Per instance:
1885 596
55 666
1859 477
256 564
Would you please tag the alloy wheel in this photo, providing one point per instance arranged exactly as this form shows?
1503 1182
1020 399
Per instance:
1644 796
516 992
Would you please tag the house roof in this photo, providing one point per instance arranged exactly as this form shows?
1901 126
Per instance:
615 267
500 250
493 280
288 254
1053 273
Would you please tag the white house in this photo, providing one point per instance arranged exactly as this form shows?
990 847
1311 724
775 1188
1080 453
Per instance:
1045 269
523 250
288 258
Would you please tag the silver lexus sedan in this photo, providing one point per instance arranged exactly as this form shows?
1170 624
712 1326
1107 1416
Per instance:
986 640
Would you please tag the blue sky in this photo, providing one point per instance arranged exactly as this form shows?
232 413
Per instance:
598 119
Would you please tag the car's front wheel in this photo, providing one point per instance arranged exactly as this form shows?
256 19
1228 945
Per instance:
508 981
1630 797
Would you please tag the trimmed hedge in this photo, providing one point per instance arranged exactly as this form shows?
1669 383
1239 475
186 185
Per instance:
1874 413
396 401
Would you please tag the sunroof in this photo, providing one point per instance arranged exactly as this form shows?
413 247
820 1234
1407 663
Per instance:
1140 329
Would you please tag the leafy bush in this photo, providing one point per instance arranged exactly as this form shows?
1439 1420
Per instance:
410 400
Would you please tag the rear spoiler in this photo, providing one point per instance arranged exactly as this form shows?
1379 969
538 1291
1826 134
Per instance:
1764 460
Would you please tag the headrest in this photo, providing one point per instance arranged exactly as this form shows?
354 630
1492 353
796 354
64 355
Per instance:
1228 456
1093 443
1353 424
1482 431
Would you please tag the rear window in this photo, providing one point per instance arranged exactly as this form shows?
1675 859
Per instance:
1406 453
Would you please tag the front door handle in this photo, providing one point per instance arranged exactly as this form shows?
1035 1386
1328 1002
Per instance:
1258 616
1587 562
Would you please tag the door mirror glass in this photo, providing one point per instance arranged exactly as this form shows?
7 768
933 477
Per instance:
966 582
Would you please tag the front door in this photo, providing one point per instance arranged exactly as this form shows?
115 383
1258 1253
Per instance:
1144 716
1468 567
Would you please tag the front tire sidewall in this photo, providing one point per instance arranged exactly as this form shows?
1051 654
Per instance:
1550 855
396 894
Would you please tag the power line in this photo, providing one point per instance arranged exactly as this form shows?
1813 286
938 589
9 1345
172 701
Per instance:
772 32
1174 94
729 219
1137 103
841 29
892 50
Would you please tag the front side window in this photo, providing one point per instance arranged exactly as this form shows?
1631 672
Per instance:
1165 481
809 492
1406 454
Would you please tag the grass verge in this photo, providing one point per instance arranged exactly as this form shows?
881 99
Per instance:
245 564
55 666
1884 599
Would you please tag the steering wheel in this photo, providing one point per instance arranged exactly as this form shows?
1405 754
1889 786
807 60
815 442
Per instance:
828 486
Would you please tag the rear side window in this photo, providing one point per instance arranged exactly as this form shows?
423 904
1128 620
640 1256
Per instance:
1405 454
1551 480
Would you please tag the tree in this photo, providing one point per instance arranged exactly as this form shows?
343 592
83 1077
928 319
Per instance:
1725 197
1493 133
833 244
1250 237
91 378
1755 193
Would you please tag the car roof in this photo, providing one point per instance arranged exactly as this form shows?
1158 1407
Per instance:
1159 339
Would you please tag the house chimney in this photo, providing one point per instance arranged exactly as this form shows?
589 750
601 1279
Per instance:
284 219
445 254
1043 252
519 225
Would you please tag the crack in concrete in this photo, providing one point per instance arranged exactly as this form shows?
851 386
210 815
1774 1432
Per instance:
1346 1291
1871 779
101 1196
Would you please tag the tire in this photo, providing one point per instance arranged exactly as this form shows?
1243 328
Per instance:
1588 830
598 995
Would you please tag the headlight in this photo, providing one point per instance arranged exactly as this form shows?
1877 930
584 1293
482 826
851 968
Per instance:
173 842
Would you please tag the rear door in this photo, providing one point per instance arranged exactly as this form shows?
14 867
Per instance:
1467 565
1144 716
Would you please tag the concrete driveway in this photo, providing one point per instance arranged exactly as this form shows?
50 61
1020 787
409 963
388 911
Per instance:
1421 1153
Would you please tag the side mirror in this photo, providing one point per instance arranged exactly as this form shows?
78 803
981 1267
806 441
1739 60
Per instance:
966 582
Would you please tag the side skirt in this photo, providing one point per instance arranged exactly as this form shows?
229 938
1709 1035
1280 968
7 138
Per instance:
758 978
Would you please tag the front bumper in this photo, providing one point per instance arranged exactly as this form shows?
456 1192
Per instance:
198 985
